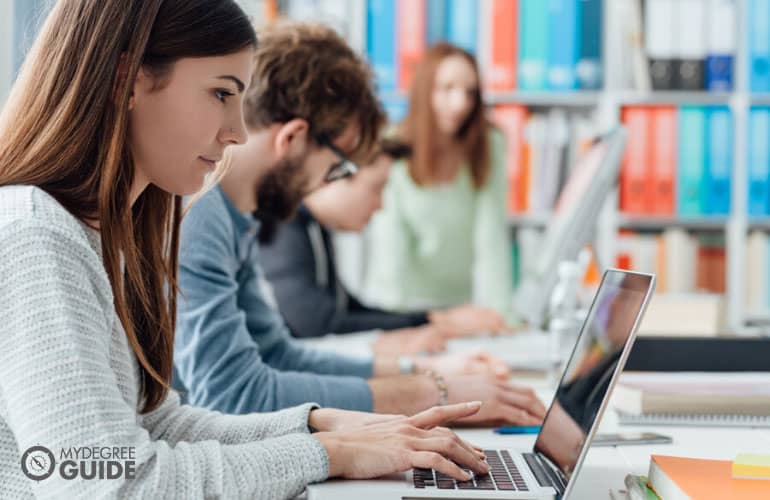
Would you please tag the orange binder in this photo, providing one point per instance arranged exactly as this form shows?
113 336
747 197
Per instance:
635 181
702 479
270 10
504 37
511 119
411 38
663 159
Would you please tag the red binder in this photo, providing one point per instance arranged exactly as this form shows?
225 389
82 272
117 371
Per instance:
663 159
411 38
504 25
635 179
511 119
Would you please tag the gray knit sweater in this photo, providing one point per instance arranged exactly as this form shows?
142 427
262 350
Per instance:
68 378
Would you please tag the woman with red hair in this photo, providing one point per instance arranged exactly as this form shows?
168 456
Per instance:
441 238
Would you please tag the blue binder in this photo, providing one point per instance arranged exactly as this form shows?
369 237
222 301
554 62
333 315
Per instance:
719 162
381 41
719 72
759 45
463 24
767 275
436 21
759 161
563 44
533 44
589 66
691 161
396 108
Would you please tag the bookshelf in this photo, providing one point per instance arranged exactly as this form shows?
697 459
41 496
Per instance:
673 98
762 224
641 223
529 220
760 99
576 99
605 106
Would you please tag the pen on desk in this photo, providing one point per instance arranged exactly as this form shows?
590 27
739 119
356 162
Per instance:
517 429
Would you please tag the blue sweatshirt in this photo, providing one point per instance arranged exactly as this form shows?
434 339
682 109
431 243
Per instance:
232 350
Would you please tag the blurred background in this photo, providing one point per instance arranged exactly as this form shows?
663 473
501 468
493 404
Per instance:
690 79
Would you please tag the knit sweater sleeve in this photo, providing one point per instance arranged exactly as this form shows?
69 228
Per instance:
62 385
174 423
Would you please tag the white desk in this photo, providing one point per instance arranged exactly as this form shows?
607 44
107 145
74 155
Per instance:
605 467
532 349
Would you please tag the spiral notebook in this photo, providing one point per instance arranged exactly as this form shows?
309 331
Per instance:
694 398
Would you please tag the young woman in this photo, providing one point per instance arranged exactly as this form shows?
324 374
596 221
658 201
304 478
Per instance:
441 238
122 106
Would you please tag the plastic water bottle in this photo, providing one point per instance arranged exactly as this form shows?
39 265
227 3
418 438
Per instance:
563 306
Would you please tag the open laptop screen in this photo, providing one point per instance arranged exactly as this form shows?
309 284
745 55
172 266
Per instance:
591 367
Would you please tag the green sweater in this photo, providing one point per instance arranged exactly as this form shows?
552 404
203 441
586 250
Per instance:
442 245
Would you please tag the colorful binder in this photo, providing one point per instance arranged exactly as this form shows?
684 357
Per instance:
381 43
692 46
589 66
660 42
759 161
720 161
396 108
721 50
635 186
533 44
463 24
411 38
436 21
502 38
691 161
759 45
511 119
663 136
563 44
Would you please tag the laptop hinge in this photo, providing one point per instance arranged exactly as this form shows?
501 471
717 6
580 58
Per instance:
545 472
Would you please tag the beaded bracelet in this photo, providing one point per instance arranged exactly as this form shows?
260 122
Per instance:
443 389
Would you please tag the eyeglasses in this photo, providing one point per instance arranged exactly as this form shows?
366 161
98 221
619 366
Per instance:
342 168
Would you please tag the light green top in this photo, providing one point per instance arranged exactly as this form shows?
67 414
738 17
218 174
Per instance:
442 245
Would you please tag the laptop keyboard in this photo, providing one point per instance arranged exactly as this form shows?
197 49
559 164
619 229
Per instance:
503 475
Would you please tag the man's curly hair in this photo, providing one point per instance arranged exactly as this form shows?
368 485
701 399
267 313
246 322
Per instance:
308 71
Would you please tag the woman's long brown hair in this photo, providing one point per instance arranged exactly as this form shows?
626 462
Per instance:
419 126
65 129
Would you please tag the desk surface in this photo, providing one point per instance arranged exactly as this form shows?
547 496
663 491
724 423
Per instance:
605 467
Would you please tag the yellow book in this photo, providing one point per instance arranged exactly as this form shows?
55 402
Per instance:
751 466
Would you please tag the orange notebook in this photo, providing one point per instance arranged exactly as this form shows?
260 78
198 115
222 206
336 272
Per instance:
663 159
411 42
635 181
512 118
675 478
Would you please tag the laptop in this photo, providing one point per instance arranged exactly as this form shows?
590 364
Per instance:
549 469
